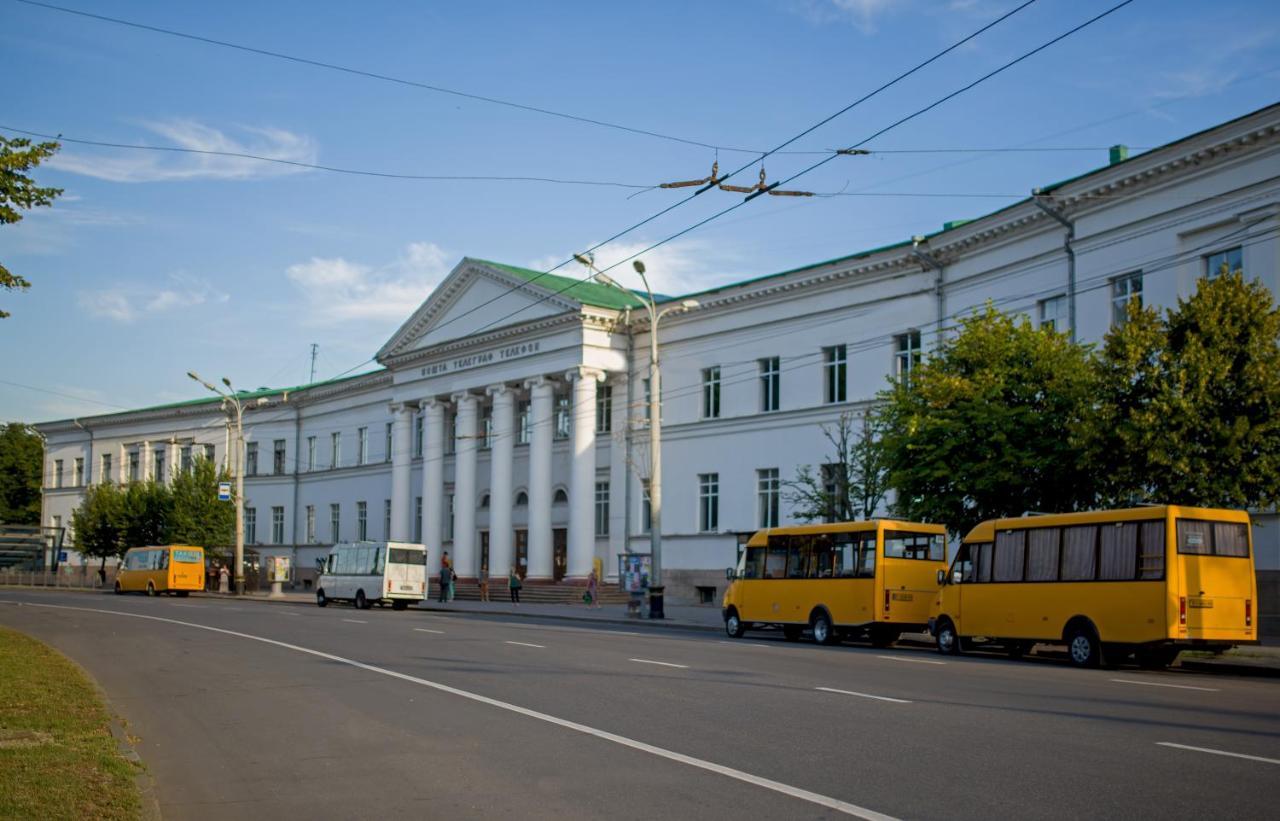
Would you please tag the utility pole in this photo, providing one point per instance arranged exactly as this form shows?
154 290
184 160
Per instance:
315 348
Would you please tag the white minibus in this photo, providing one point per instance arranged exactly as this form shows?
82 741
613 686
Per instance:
365 573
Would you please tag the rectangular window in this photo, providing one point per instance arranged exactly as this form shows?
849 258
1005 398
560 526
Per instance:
335 523
448 530
602 508
57 473
386 451
386 520
1042 554
646 511
1213 538
158 473
1151 551
335 450
1229 261
982 561
277 525
184 459
134 466
277 457
711 392
525 417
1118 552
106 468
768 495
1125 289
417 520
417 434
604 408
486 427
78 471
835 487
1011 551
906 354
563 416
708 502
1053 313
648 394
775 560
209 453
251 525
451 433
251 459
834 371
1079 553
311 453
924 546
770 383
362 446
362 521
311 524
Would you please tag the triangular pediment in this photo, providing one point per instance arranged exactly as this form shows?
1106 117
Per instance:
476 297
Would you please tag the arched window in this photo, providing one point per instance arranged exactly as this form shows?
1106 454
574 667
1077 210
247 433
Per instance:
522 499
561 498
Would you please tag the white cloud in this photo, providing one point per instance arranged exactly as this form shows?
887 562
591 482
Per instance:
338 289
680 267
121 165
126 304
864 14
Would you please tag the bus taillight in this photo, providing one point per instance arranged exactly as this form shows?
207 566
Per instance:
388 585
1182 610
1248 612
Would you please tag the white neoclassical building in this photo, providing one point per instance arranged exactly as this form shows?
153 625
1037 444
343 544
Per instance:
507 422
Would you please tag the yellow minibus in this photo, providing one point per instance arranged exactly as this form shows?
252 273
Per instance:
1146 581
176 568
873 579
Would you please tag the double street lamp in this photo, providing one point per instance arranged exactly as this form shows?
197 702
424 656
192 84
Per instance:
231 400
655 419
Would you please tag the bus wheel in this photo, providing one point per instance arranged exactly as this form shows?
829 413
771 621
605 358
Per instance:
733 625
823 632
399 604
791 632
946 639
119 590
320 599
361 602
1083 647
1156 658
151 589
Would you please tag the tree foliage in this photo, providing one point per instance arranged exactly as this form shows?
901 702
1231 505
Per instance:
1190 407
983 427
98 523
198 517
18 192
21 460
851 485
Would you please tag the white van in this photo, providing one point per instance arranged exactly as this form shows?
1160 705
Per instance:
365 573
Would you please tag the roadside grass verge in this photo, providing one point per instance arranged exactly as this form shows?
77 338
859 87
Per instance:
58 758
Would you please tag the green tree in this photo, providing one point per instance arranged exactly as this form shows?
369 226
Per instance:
98 523
851 485
21 460
147 513
18 192
982 427
198 517
1189 406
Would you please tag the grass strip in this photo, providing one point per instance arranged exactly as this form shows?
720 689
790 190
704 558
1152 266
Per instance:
58 758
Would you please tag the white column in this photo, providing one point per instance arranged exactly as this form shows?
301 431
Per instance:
122 469
541 427
401 451
433 482
619 470
582 472
500 480
146 462
464 486
173 460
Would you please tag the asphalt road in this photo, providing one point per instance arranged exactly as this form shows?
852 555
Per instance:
291 711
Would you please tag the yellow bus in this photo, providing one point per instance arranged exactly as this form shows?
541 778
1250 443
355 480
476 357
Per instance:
176 569
1145 581
873 579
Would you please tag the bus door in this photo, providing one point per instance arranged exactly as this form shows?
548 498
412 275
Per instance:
909 578
1215 580
857 564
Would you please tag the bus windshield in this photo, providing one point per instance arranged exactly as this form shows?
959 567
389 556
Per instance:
188 556
400 555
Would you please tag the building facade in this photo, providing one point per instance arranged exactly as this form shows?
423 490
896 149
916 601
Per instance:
507 423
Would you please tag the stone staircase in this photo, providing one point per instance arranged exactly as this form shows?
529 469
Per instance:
538 592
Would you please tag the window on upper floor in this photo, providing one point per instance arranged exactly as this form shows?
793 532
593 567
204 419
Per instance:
106 469
386 449
277 457
563 416
711 392
335 450
906 354
311 453
57 473
486 427
604 408
770 383
417 434
834 373
1125 289
362 446
602 508
648 397
524 418
1053 313
1226 261
78 469
158 474
251 459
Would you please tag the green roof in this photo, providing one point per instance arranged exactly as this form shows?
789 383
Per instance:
588 293
254 394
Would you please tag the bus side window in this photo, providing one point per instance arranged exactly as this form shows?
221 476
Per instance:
329 564
798 554
824 560
164 560
775 563
754 567
867 566
377 560
963 565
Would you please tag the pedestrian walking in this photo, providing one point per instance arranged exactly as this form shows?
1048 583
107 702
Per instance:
445 571
484 584
224 580
514 584
592 596
453 579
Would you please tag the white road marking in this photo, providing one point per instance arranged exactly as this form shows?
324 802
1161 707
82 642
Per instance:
355 621
1217 752
914 661
1158 684
862 695
527 644
680 758
197 606
662 663
426 630
290 613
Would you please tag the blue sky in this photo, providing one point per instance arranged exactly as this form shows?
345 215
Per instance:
152 265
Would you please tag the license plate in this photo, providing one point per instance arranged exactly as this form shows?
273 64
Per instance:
1203 604
406 587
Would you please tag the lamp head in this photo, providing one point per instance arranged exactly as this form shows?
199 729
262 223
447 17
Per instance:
689 304
192 374
638 265
226 382
587 259
608 280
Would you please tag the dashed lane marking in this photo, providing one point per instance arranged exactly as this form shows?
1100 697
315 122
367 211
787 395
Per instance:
355 621
913 661
660 663
1161 684
527 644
862 695
1211 751
699 763
427 630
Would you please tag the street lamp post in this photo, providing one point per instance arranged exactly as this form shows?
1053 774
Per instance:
230 400
655 420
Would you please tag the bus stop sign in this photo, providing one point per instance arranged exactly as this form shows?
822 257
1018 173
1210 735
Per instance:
224 491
